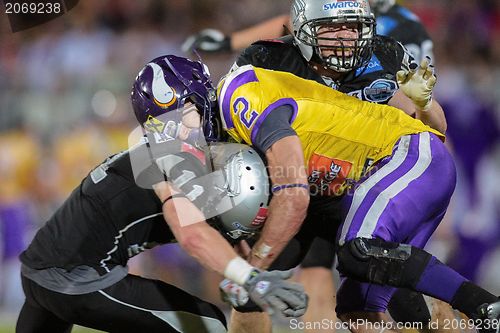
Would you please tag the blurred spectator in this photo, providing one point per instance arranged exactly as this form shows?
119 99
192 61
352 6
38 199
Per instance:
19 156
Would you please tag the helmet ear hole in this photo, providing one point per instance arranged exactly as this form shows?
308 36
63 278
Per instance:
252 188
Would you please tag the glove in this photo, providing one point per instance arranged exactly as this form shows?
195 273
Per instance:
272 293
233 293
207 40
417 83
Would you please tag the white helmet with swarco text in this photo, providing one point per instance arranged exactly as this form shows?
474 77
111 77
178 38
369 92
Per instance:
243 187
338 54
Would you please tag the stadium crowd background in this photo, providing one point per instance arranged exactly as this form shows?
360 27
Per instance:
64 107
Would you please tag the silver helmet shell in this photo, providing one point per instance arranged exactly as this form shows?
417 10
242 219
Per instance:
245 188
307 16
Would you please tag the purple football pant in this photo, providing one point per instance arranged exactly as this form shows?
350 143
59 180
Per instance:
402 201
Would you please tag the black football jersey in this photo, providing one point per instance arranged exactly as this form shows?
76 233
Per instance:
374 82
106 220
405 27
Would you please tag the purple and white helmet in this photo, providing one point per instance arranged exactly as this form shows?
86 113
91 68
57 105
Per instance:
166 84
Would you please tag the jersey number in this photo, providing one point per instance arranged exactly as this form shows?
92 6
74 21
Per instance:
241 107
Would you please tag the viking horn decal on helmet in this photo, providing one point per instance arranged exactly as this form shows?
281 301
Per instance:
163 94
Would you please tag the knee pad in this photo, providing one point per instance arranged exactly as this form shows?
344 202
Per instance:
382 262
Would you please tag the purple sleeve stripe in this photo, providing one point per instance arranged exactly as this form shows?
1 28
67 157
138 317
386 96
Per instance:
241 79
278 103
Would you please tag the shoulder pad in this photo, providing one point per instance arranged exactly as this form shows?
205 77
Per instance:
270 54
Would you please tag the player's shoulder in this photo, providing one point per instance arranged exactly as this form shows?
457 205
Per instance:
115 172
238 76
119 162
277 54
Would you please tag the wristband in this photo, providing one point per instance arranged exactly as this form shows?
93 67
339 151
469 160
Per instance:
176 195
238 270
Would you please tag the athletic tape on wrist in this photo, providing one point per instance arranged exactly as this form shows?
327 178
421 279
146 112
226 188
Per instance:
238 270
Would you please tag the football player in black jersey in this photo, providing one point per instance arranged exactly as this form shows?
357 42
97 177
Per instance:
75 269
335 44
393 20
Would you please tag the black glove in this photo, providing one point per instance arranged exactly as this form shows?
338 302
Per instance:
207 40
272 293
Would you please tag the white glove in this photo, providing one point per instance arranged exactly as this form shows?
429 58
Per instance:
233 293
207 40
417 83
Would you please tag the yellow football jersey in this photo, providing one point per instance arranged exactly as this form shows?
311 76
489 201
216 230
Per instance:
341 136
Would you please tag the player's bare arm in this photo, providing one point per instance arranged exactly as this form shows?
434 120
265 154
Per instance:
288 206
415 95
192 232
434 117
272 28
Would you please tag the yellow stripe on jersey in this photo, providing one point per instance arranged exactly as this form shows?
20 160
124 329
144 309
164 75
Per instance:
350 134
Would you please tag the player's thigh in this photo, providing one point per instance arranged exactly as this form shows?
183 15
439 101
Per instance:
308 250
133 304
137 304
355 296
323 220
318 230
320 254
33 319
405 194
